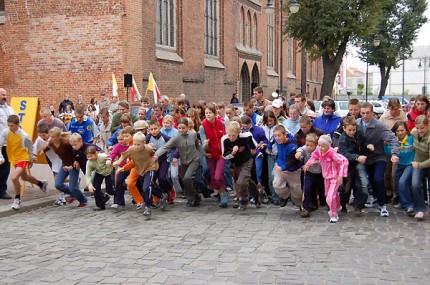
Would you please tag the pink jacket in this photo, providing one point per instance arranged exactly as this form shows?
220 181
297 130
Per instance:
118 149
332 163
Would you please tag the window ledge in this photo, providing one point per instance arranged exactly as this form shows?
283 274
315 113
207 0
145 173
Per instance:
168 55
248 50
292 76
256 2
2 18
213 62
272 72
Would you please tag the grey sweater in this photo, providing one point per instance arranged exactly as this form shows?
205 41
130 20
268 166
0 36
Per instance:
187 145
376 133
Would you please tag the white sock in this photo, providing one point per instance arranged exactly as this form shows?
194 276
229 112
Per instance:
61 196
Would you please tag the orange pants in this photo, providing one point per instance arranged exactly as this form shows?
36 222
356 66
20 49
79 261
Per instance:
132 188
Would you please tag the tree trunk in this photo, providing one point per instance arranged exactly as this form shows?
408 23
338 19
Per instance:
331 67
385 75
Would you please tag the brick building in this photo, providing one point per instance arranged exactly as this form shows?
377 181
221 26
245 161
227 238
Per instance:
206 49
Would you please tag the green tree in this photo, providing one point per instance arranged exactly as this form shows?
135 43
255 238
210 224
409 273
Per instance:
397 30
325 28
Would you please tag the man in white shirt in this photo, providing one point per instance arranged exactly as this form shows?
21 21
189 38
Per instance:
5 112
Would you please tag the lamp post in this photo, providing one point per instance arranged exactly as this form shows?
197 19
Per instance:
270 10
424 59
376 42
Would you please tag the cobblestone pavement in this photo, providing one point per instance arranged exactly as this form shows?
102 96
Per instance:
209 245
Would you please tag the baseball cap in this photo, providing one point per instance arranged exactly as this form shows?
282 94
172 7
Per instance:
277 103
140 125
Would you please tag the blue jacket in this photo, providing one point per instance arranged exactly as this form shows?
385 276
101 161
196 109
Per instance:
259 136
286 156
328 124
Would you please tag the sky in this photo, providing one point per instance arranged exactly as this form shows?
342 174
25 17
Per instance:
422 40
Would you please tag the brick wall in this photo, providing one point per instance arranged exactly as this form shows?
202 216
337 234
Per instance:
53 47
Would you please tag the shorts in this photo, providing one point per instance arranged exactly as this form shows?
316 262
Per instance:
22 164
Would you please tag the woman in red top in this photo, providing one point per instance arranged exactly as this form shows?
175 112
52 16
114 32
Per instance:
420 107
211 132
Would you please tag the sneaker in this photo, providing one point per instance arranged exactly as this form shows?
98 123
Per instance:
410 212
70 200
384 211
242 206
114 206
397 206
420 216
60 202
263 196
171 197
82 205
371 203
16 204
139 206
305 214
98 209
147 213
44 187
334 219
283 202
343 209
163 201
106 198
224 200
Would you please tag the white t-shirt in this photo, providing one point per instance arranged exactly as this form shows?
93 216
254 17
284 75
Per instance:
38 145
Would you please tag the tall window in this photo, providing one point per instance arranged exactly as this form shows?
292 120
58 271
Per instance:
271 40
290 55
248 30
254 32
212 27
242 27
2 8
166 23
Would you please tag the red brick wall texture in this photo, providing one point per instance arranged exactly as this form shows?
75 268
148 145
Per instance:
52 47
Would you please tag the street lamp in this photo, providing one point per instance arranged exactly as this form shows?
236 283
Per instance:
376 42
270 10
425 71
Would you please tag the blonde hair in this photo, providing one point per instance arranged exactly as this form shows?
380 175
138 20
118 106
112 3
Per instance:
422 119
75 137
312 138
233 127
139 137
325 139
168 118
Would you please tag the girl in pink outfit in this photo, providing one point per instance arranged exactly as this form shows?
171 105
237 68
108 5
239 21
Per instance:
334 168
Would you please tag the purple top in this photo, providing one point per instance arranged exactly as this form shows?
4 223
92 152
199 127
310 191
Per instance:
117 151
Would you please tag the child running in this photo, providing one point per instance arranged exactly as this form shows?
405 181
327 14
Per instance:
19 149
334 168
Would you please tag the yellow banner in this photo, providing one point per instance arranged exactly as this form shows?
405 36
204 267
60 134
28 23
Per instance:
27 108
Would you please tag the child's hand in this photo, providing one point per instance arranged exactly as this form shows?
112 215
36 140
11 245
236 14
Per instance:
298 155
415 164
76 165
91 189
305 168
119 170
115 164
394 159
235 150
278 169
108 162
154 159
1 161
110 148
371 147
151 145
362 159
340 180
68 168
336 149
206 143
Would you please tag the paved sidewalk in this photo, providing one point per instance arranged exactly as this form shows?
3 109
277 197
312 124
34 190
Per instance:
33 197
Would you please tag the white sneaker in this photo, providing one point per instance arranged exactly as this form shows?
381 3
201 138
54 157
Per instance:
114 206
371 204
16 204
139 206
44 187
334 219
384 211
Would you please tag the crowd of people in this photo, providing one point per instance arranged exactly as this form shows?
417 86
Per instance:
275 152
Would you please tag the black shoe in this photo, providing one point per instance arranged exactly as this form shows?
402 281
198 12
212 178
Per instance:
5 196
283 202
197 200
106 198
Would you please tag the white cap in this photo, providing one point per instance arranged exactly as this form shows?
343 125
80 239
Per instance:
277 103
275 95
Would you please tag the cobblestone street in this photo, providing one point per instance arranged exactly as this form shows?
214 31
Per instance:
209 245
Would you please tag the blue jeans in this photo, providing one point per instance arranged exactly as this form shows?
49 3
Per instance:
376 173
271 160
147 189
402 185
228 179
418 188
72 189
258 160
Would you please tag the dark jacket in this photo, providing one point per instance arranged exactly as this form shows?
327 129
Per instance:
351 147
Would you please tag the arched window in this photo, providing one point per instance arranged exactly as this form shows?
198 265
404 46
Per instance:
271 40
254 32
242 26
248 30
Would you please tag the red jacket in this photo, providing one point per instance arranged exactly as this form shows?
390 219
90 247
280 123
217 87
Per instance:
412 116
214 133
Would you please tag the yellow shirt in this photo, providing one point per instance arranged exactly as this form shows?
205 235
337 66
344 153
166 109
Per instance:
19 146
